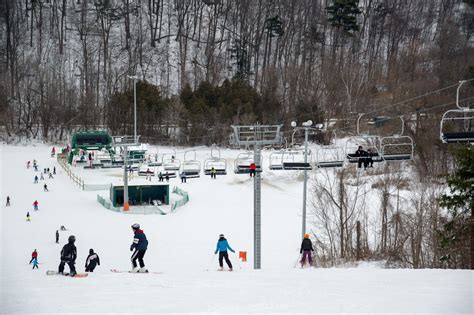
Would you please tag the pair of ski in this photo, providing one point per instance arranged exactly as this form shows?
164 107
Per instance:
126 271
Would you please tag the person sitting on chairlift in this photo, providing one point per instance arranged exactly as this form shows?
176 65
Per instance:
253 169
362 155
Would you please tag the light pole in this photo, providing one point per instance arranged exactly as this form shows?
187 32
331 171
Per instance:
134 78
306 126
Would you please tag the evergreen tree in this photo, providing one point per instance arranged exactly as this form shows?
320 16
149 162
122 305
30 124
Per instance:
457 233
343 14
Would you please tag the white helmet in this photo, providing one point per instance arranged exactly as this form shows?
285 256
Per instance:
135 226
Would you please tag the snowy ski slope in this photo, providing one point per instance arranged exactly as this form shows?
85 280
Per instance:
181 245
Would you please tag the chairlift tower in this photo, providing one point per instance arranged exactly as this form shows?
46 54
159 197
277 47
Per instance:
257 135
125 142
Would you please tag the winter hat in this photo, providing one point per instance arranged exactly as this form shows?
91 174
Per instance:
135 226
221 235
71 239
91 251
306 235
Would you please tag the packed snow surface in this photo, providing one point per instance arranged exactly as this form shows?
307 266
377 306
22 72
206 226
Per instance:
181 246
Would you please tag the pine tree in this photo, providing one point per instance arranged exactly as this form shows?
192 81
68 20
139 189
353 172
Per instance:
457 233
343 14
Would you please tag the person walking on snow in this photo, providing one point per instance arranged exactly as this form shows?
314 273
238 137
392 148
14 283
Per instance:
8 201
68 255
222 246
57 236
34 255
35 263
139 247
92 261
306 249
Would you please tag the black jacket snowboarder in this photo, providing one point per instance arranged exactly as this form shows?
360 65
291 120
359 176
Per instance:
69 255
92 261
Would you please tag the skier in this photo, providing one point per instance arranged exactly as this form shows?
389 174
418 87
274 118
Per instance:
35 263
28 216
91 261
35 205
41 176
8 201
28 164
34 255
183 177
68 255
253 169
53 152
306 249
140 245
50 175
222 246
57 236
45 187
36 179
54 170
213 172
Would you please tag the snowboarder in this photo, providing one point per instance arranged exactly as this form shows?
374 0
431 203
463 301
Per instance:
8 201
139 245
57 237
213 173
253 169
45 187
35 205
306 249
222 246
36 179
91 261
68 255
41 176
54 170
183 177
34 255
35 263
28 216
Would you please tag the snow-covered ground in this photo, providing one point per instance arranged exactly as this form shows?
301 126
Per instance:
181 246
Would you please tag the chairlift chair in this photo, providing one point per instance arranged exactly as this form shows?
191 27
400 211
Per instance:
457 125
276 160
170 162
191 168
294 159
397 147
243 161
368 142
330 156
215 161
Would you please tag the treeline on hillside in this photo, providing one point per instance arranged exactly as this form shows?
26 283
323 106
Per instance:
64 63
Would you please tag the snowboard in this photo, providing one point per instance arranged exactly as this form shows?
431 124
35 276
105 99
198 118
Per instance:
126 271
55 273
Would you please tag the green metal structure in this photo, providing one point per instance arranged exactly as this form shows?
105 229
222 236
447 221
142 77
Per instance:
141 194
90 140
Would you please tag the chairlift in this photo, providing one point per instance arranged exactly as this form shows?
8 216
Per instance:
215 161
146 170
276 160
330 156
294 159
457 124
371 144
397 147
191 168
170 162
243 161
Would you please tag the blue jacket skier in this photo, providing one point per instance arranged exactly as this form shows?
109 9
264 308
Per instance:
222 246
139 246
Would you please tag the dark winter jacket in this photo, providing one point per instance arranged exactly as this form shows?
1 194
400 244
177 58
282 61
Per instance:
92 259
139 241
222 246
361 153
69 253
306 245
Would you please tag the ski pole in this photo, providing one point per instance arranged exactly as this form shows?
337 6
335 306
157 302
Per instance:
210 261
297 260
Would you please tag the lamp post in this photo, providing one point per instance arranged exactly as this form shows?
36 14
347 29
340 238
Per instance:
306 126
134 78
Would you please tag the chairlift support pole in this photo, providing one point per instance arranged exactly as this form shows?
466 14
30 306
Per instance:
257 135
303 231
